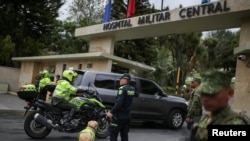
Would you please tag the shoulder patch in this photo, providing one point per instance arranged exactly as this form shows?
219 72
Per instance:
120 91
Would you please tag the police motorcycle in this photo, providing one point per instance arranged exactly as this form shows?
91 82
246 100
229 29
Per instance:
42 117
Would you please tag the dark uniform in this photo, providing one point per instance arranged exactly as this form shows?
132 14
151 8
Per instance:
120 121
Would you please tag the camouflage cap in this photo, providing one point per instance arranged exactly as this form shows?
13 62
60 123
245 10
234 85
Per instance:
213 82
197 80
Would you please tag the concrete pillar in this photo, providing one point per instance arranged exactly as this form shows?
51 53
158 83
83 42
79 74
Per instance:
27 69
106 45
102 44
242 83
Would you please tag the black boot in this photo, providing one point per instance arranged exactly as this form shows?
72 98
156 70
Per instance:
68 118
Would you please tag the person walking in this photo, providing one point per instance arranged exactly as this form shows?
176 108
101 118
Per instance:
120 112
61 95
194 107
215 92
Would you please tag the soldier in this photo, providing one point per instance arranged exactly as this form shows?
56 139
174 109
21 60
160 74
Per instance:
215 92
194 106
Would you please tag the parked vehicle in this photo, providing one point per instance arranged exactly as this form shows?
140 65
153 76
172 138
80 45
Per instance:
42 117
152 104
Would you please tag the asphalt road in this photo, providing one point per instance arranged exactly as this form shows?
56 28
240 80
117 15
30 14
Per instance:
11 126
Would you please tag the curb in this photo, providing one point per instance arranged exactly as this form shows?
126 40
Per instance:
12 93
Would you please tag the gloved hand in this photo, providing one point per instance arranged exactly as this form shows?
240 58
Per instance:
79 92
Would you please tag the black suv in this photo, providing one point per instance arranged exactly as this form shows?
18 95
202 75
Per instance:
152 104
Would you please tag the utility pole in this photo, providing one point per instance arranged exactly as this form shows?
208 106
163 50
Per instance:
161 5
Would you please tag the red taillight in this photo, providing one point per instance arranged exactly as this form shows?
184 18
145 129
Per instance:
21 88
28 104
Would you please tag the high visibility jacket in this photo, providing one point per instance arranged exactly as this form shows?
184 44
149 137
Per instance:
43 82
64 89
90 131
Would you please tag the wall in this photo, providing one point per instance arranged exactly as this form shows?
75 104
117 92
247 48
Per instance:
10 76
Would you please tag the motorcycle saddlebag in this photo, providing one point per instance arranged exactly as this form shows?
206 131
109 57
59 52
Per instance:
27 95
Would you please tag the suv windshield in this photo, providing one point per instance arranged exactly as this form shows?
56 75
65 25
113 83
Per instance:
78 79
148 87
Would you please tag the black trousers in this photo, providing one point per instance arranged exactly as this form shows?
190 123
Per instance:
42 94
119 126
64 105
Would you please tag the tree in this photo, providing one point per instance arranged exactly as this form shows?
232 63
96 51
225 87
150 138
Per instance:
90 10
220 46
63 40
183 49
6 49
140 50
28 24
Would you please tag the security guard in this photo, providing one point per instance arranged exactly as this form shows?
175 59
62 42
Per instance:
45 79
61 95
120 112
215 92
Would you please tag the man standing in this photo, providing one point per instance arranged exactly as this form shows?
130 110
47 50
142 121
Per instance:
215 92
194 106
120 113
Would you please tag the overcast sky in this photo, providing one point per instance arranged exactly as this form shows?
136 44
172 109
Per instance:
172 4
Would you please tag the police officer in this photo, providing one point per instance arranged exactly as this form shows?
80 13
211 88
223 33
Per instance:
120 112
45 79
194 106
215 92
61 95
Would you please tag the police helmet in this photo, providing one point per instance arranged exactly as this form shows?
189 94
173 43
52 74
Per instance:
45 73
126 76
69 74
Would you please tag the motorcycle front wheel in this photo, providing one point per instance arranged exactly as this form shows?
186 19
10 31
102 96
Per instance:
34 129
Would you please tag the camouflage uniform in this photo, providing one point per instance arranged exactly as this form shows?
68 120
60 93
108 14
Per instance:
224 117
195 107
212 83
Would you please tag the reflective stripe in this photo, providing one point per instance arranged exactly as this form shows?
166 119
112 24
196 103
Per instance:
131 92
64 89
113 124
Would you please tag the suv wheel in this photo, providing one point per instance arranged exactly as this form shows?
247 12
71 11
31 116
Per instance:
175 119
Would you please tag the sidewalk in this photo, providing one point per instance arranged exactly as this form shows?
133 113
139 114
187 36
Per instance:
12 93
8 92
10 101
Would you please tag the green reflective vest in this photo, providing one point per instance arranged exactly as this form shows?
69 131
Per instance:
43 82
64 89
90 131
